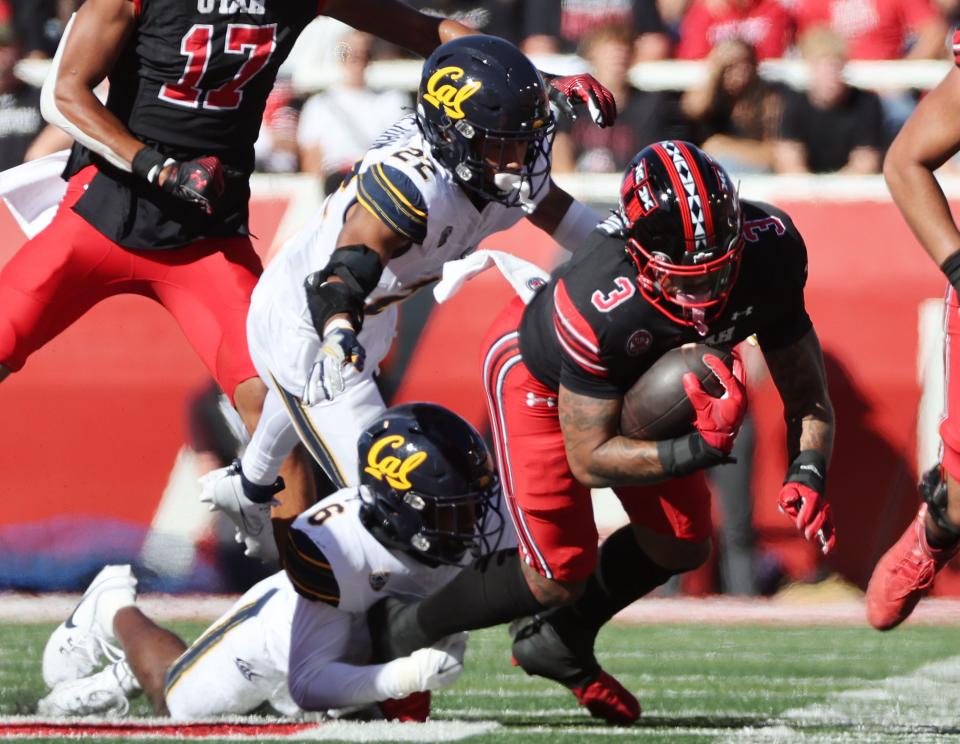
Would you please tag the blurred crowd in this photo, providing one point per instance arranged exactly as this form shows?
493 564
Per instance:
750 124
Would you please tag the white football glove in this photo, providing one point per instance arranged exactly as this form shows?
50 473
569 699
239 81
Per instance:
340 348
223 490
436 667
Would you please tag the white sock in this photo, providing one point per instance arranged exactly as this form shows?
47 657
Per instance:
108 605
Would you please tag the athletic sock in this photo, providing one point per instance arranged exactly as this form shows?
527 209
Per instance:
490 591
624 573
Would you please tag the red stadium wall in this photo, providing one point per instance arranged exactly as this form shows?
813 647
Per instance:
91 427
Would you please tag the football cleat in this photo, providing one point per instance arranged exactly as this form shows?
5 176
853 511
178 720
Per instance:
100 693
80 643
225 491
544 647
904 574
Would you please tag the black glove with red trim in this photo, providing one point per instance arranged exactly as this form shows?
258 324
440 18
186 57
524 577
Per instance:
200 181
572 90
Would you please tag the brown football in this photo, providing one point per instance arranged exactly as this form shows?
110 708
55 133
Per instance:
657 407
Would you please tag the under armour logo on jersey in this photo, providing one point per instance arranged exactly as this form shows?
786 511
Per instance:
245 669
534 400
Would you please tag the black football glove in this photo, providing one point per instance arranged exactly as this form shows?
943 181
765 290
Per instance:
200 181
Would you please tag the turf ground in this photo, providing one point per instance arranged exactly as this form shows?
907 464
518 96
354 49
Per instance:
697 683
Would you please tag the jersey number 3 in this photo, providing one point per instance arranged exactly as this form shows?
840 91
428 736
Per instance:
623 290
255 42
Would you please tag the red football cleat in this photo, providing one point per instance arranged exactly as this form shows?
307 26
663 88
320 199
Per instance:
904 575
606 698
412 708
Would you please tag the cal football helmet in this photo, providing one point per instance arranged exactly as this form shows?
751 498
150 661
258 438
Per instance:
683 223
483 108
431 488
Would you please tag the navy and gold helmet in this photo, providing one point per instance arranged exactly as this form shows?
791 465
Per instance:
483 108
431 489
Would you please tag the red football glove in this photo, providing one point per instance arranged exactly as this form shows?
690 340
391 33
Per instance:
414 707
802 499
718 419
566 92
199 182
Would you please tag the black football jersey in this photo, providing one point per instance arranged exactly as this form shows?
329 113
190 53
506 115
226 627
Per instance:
591 330
192 81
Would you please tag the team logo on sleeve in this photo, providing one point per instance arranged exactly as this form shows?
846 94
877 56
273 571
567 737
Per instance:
639 342
378 580
391 468
448 95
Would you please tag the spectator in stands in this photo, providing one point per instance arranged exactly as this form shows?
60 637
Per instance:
20 119
39 24
276 149
765 24
879 29
832 126
736 113
561 26
643 116
338 125
882 29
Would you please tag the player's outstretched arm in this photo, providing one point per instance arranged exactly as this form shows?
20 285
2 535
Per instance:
91 45
568 221
798 372
928 139
397 23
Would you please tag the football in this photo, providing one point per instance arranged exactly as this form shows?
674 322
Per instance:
657 407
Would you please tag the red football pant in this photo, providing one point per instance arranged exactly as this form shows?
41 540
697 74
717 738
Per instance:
70 267
950 426
551 510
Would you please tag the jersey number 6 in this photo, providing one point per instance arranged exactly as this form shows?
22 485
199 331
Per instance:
256 42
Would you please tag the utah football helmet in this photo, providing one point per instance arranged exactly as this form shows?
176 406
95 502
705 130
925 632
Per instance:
483 108
431 488
683 223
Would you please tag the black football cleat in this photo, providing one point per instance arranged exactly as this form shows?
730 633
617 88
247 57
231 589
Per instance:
544 646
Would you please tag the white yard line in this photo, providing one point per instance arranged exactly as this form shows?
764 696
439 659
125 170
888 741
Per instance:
918 707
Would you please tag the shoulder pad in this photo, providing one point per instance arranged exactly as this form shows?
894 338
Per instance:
309 570
391 196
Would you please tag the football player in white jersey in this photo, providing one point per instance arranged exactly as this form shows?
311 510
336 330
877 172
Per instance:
427 501
473 160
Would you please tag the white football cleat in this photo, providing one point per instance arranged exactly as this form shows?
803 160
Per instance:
100 693
223 490
79 644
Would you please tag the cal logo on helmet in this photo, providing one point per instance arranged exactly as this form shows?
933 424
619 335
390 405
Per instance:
391 468
447 95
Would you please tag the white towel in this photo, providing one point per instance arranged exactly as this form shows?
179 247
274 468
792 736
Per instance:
32 191
525 277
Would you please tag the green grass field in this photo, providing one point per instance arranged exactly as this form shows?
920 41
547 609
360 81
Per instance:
696 684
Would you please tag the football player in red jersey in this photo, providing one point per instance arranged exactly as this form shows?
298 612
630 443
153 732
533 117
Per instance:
929 138
683 261
157 201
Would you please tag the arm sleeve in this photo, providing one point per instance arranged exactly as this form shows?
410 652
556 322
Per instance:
391 195
793 322
318 679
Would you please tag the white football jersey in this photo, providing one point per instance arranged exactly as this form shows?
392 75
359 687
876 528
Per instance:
405 187
332 558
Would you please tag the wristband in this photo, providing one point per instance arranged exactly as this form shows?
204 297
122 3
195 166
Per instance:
810 469
685 455
148 162
951 269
